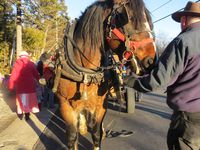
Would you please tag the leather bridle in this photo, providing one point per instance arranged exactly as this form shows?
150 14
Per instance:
130 45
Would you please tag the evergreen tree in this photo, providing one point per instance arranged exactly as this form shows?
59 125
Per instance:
48 16
43 23
7 30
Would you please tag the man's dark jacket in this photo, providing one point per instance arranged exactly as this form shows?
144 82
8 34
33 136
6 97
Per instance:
178 69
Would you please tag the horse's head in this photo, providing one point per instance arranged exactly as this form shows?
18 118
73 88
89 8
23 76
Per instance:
121 25
129 34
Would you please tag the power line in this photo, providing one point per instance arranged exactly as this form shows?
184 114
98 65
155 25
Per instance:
161 6
170 14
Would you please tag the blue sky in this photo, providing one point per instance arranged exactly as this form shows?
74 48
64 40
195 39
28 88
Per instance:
166 27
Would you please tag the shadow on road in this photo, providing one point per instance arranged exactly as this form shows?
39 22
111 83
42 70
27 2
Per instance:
154 111
114 105
9 98
43 138
54 138
156 95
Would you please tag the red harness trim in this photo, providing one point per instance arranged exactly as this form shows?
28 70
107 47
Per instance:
119 34
132 44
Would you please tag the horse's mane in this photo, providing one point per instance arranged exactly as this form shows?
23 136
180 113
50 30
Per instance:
137 7
90 25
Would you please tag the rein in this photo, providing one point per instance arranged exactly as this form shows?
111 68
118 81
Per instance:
67 66
93 76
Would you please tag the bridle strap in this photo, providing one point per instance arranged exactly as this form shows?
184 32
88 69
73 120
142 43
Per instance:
119 34
131 44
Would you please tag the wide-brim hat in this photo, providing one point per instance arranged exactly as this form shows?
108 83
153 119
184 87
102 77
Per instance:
191 9
23 53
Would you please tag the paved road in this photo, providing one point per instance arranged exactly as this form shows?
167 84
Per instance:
7 110
149 125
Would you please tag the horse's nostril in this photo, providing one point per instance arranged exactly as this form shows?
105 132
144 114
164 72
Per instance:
148 61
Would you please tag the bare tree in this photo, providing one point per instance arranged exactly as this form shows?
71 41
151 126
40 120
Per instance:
162 40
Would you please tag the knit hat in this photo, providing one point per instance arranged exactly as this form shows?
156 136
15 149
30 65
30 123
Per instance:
23 53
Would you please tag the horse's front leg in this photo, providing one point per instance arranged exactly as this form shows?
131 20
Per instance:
71 130
97 136
71 119
72 137
98 131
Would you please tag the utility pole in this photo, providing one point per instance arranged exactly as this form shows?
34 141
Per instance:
19 28
56 32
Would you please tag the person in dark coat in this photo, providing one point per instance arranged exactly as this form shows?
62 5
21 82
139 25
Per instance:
40 67
39 87
178 69
48 74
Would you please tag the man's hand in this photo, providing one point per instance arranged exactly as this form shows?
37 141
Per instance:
129 81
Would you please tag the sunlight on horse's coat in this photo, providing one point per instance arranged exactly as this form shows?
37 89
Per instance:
84 57
82 124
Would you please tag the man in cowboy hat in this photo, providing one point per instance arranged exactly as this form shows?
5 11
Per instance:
178 69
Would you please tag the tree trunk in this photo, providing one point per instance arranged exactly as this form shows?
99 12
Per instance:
19 29
45 39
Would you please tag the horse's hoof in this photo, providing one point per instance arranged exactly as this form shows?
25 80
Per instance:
96 148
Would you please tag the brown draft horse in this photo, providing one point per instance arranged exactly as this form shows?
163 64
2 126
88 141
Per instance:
123 27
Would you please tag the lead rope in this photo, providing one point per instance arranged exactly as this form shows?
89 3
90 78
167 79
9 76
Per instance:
110 132
112 124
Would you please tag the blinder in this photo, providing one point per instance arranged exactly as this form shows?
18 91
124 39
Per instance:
121 41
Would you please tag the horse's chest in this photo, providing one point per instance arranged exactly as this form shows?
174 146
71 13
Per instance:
91 104
74 91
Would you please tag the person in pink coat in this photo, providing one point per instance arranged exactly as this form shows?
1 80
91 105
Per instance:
23 79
